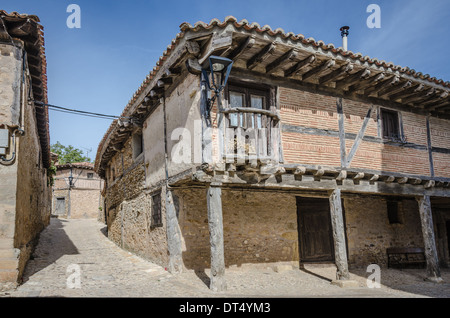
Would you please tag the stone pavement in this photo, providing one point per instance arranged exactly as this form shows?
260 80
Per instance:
68 247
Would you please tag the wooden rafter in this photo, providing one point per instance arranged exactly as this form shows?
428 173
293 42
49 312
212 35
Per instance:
361 85
261 55
318 69
394 88
333 75
245 45
393 80
415 89
288 57
353 78
299 66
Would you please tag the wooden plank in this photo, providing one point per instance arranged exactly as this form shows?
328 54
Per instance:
240 146
262 143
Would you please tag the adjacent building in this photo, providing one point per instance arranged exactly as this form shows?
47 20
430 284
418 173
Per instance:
77 192
310 153
25 191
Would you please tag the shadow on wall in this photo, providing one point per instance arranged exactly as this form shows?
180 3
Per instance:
53 244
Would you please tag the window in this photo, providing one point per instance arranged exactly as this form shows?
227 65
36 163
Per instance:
393 210
137 145
390 124
242 96
90 175
156 210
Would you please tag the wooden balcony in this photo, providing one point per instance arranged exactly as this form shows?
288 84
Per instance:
250 136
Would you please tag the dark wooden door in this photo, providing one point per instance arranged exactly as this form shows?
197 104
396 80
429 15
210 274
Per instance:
315 233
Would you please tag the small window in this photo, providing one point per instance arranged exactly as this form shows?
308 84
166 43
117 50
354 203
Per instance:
90 175
156 210
137 145
393 211
243 96
390 124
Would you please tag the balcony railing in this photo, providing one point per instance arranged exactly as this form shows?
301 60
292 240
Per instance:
251 136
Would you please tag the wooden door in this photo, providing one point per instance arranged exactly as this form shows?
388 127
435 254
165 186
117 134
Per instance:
60 208
315 233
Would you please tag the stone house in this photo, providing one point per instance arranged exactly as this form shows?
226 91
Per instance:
310 153
77 191
25 191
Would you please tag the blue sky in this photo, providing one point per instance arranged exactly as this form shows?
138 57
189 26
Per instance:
99 66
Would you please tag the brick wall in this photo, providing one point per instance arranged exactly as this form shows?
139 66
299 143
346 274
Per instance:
314 139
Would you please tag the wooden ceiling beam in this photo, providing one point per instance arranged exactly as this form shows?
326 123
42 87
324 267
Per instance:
288 57
244 46
261 55
318 69
353 78
344 69
361 85
299 66
407 92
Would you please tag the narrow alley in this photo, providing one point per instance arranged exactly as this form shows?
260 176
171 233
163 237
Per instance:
79 246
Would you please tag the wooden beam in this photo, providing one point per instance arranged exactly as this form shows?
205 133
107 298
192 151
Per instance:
382 85
318 69
408 92
299 66
246 44
173 235
394 88
431 255
361 85
337 225
353 78
359 138
217 42
282 60
215 223
343 151
419 96
336 73
433 103
261 55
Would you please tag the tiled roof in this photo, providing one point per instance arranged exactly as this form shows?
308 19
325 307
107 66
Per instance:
79 165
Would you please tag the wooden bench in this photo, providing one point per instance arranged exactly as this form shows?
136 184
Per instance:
403 256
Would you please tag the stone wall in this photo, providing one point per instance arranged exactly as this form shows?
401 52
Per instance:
25 198
369 232
260 227
129 210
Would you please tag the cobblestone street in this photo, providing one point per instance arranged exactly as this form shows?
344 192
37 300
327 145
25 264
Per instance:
108 271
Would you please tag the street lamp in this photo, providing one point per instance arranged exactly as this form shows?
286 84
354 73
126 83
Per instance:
219 68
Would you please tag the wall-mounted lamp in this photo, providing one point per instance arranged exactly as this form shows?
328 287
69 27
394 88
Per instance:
219 68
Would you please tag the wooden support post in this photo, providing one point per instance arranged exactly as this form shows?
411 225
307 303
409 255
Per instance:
337 223
433 270
215 222
173 235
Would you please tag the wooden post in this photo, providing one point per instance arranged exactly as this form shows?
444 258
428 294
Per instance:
215 222
173 235
433 270
337 223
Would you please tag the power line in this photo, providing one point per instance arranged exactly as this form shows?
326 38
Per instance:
77 112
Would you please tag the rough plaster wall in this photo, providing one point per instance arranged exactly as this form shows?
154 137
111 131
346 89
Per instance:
84 204
10 79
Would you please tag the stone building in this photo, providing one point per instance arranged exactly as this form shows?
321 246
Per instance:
77 192
25 193
310 153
